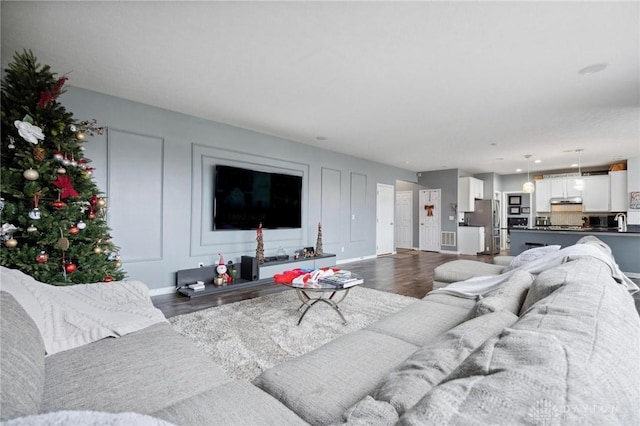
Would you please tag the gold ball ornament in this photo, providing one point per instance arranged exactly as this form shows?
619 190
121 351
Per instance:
80 136
11 243
31 229
97 250
61 171
101 202
118 264
31 174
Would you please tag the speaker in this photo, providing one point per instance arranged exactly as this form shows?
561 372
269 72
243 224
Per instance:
249 268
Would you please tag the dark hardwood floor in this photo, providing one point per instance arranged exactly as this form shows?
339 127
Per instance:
408 272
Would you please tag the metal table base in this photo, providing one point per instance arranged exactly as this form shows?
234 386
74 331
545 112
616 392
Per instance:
308 302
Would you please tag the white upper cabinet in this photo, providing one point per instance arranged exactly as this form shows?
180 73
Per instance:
543 194
563 188
618 191
595 197
469 190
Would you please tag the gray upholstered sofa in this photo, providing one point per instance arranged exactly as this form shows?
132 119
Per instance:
558 347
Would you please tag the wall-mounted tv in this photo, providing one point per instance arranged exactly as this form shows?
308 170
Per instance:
245 198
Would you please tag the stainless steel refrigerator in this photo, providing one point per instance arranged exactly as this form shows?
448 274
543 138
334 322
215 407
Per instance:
487 215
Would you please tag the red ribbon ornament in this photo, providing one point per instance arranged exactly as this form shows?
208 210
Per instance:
64 182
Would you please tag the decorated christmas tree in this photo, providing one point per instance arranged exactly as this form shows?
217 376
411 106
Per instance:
52 213
260 246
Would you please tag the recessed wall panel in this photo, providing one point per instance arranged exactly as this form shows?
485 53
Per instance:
331 195
358 204
135 170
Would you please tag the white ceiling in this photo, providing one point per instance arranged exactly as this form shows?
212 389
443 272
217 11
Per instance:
417 85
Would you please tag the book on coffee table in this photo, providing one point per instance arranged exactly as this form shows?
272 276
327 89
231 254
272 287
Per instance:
341 281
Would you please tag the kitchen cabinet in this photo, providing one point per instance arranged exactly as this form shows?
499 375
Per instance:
470 239
543 194
595 197
469 190
563 188
618 195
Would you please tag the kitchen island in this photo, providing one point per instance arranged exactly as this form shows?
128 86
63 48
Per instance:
625 245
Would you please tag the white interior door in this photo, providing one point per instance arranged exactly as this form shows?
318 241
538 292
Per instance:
429 211
404 219
384 219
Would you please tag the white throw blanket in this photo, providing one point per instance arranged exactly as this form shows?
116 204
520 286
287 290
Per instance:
480 286
72 316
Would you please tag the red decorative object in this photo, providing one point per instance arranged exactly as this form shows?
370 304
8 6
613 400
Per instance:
107 279
64 182
429 208
49 96
94 200
58 205
42 257
70 267
74 230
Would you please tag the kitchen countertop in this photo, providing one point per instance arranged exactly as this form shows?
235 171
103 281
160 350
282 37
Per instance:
631 229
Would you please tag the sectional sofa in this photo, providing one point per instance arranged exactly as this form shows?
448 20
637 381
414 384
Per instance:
558 346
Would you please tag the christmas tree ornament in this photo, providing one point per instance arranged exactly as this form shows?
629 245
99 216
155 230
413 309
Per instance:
73 128
80 136
35 214
11 242
73 162
82 163
101 202
81 225
42 257
94 200
28 131
64 183
97 250
12 142
58 205
58 155
31 229
118 264
70 267
38 153
31 174
61 171
1 204
107 279
74 230
65 161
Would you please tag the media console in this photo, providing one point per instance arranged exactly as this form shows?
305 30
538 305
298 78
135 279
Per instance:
252 274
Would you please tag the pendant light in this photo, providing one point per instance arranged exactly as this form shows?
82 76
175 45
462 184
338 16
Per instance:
528 186
578 184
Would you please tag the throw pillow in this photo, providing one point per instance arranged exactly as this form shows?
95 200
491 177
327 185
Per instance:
530 255
509 296
426 367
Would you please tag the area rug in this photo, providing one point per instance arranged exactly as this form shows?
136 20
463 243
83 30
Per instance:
248 337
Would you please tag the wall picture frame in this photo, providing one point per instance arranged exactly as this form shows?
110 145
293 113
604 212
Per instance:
525 210
514 210
515 200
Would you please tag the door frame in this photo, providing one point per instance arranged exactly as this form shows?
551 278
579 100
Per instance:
379 242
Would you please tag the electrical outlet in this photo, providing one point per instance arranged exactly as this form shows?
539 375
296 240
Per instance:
201 265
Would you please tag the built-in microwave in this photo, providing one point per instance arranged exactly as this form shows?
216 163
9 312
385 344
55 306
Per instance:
518 222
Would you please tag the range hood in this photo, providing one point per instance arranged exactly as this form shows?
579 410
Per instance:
565 200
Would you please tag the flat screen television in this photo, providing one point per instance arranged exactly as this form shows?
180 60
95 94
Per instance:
245 198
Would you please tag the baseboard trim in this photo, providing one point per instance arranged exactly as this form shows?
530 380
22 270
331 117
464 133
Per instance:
449 251
355 259
161 291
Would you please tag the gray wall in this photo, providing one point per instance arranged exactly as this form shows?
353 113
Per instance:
155 167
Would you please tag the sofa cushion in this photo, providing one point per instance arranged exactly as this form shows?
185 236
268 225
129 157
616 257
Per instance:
320 385
421 322
503 260
509 296
571 359
463 269
21 361
531 255
424 369
143 372
233 403
369 411
451 300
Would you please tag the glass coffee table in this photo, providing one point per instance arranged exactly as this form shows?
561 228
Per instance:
311 293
